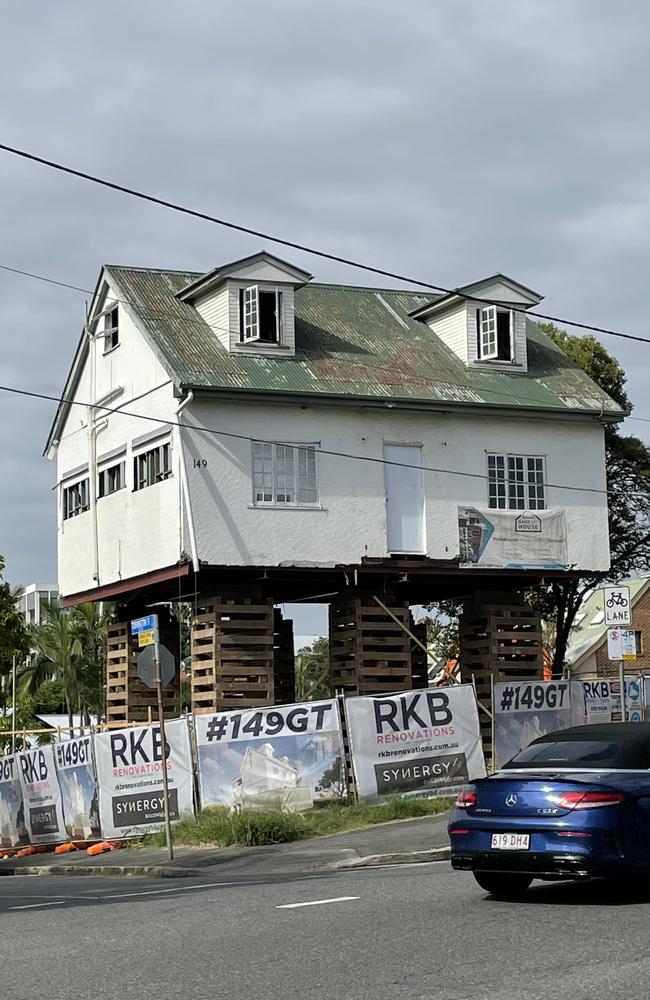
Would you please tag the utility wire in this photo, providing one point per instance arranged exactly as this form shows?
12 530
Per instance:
321 451
313 251
401 376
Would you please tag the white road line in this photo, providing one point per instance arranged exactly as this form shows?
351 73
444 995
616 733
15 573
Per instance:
180 888
317 902
33 906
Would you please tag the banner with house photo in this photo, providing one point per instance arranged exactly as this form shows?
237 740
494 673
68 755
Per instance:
526 710
416 744
41 796
287 757
75 767
13 832
512 539
129 771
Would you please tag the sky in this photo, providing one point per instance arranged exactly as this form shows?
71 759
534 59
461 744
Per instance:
443 140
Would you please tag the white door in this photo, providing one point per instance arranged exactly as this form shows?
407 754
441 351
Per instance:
404 499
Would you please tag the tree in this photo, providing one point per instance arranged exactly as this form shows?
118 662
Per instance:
14 639
312 671
333 779
628 482
91 628
59 655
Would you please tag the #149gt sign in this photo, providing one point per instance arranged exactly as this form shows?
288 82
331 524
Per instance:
417 744
287 757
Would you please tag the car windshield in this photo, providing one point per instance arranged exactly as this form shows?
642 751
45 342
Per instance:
579 753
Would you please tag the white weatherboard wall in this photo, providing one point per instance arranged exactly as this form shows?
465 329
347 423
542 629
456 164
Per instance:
351 523
137 531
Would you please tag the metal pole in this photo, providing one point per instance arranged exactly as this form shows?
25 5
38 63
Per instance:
13 704
163 749
621 674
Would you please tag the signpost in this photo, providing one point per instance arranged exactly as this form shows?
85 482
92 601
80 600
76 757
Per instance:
616 601
148 627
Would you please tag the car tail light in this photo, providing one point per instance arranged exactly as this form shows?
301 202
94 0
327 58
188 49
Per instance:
572 833
457 832
467 798
588 800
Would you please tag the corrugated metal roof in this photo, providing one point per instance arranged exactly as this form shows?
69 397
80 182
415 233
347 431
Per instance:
350 342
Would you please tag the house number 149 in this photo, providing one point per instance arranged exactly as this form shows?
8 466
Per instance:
200 463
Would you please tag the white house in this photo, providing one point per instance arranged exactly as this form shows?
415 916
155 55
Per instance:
257 420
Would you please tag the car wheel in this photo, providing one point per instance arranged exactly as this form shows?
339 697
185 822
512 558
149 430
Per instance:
506 885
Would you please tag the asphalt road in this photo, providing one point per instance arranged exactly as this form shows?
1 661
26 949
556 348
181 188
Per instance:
416 932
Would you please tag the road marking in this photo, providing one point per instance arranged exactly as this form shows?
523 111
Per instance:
317 902
180 888
33 906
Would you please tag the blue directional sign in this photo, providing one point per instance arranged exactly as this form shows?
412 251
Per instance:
147 624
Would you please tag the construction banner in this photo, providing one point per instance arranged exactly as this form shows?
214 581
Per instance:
526 710
129 771
13 832
417 744
287 757
41 795
78 781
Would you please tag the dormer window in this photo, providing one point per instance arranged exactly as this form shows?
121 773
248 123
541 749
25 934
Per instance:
495 334
111 329
260 315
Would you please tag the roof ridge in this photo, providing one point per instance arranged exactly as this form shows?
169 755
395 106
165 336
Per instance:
365 288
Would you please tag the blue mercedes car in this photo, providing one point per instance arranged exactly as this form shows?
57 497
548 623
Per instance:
571 805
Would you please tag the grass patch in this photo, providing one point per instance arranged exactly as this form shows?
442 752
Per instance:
219 828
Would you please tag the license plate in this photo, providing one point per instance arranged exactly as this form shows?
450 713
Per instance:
510 841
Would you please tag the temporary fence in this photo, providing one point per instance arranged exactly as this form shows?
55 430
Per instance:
108 784
526 710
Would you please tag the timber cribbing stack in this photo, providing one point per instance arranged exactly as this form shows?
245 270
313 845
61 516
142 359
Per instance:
232 654
369 652
499 642
127 698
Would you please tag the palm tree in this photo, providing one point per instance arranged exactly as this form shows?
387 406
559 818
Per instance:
91 628
312 672
59 654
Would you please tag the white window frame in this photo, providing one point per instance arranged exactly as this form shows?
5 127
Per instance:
111 333
107 474
155 470
82 486
488 343
270 480
509 481
488 334
250 320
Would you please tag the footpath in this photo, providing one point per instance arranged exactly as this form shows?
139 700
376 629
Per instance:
403 841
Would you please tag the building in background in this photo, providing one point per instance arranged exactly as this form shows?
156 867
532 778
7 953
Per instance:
33 599
587 652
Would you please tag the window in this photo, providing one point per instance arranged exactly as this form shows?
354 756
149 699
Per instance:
284 475
111 479
261 315
638 644
111 330
75 499
516 482
151 467
495 333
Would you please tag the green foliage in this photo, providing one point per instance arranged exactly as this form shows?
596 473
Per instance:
628 480
14 639
49 697
218 827
443 629
312 671
333 779
69 657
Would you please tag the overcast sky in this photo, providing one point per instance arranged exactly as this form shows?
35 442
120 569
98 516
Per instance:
440 138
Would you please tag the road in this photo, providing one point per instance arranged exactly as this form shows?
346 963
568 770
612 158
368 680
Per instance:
419 931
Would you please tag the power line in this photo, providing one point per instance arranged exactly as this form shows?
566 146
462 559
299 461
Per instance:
303 248
203 324
321 451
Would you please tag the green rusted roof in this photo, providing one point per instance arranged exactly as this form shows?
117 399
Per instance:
350 342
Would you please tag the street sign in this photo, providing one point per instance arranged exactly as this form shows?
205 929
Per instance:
147 666
616 601
628 644
614 644
146 638
147 624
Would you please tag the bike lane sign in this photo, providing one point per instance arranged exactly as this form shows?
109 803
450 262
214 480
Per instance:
616 602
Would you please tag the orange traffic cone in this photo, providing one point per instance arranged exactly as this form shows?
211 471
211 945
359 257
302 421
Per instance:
101 848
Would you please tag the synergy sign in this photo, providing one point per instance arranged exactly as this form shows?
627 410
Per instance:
417 744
